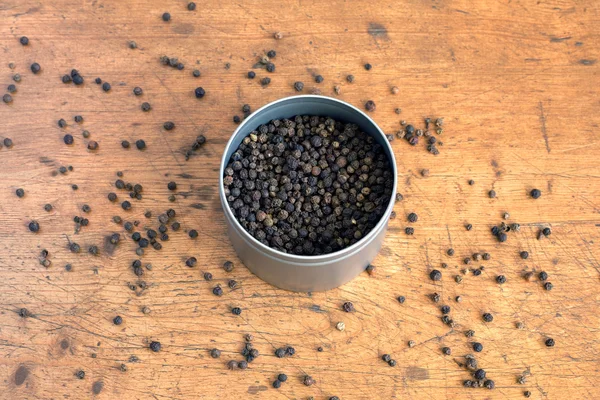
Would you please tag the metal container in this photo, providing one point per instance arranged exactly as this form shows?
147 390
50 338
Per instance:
306 273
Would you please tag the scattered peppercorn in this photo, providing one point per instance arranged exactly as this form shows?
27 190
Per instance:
191 6
136 90
140 144
118 320
478 347
236 311
492 194
435 275
409 230
299 86
166 17
348 307
24 40
401 299
501 279
370 106
549 342
536 193
368 66
548 286
7 98
547 231
35 68
155 346
217 291
487 317
479 374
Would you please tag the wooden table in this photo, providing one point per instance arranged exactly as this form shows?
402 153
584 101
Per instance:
517 85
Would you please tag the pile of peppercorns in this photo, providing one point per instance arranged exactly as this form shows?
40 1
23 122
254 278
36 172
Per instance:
308 185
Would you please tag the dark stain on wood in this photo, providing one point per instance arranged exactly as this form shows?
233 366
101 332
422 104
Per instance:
316 308
109 248
21 374
97 387
417 374
198 206
46 160
64 344
256 389
587 62
183 29
185 176
378 31
559 39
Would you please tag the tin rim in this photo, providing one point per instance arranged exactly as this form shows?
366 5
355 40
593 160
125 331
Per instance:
294 257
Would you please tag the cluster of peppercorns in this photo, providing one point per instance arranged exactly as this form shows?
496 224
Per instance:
285 351
280 379
172 61
308 186
500 231
412 135
389 360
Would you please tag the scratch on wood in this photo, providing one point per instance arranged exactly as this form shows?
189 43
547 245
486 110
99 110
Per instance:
554 39
417 374
256 389
543 122
316 308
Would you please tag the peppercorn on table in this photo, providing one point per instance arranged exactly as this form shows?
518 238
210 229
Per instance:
117 279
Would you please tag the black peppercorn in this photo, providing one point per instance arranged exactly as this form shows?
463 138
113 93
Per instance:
191 262
118 320
20 193
126 205
169 125
370 106
413 217
193 233
24 40
524 255
199 92
479 374
140 144
146 106
319 78
276 384
435 275
549 342
447 351
501 279
155 346
236 119
217 291
172 185
547 232
489 384
236 311
7 98
445 309
34 226
543 275
166 17
251 74
368 66
191 6
409 230
62 123
487 317
478 347
492 194
548 286
386 357
270 67
265 81
502 237
299 86
106 86
350 78
348 307
125 144
35 68
401 299
137 90
78 119
536 193
208 276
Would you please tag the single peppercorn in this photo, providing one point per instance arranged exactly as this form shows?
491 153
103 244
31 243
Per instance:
386 357
401 299
24 40
199 92
549 342
35 68
193 233
319 78
137 90
191 6
276 384
169 125
92 145
280 353
106 86
445 309
80 374
126 205
492 194
435 275
155 346
7 98
548 286
547 231
535 193
489 384
118 320
446 351
502 237
527 393
217 291
20 192
265 81
409 230
370 106
413 217
543 275
236 119
140 144
477 347
172 185
208 276
215 353
524 255
282 377
270 67
501 279
236 311
191 262
487 317
34 226
348 307
479 374
251 74
166 17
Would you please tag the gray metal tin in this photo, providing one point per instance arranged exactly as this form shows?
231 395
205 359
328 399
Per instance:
305 273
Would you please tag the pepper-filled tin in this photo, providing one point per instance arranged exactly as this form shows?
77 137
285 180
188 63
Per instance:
297 272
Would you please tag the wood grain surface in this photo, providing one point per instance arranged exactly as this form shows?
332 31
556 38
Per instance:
517 84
